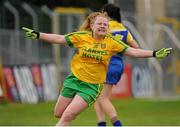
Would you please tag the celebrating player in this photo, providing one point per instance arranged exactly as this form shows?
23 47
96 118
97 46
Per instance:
89 65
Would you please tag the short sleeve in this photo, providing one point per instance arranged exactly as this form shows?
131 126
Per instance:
129 37
72 39
118 45
75 39
122 47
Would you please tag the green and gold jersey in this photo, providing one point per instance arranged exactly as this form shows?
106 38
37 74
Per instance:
90 63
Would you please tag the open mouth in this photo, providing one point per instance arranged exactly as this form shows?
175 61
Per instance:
102 30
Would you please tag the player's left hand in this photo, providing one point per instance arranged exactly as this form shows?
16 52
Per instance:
31 33
162 53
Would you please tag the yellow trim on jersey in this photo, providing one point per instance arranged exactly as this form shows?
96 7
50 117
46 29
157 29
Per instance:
116 26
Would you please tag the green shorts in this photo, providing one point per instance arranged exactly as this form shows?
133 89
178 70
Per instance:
89 92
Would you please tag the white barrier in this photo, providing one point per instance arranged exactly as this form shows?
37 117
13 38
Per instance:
49 82
24 81
36 73
28 87
142 82
1 92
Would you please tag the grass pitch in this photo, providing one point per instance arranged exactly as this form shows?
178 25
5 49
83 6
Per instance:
132 112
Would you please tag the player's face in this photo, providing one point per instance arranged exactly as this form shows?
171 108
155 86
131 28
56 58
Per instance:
100 27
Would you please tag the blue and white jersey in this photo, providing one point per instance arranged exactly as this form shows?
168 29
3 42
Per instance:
116 65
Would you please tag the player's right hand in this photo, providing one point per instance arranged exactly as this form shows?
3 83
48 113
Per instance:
31 33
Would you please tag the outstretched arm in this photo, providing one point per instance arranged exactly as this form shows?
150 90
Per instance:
161 53
51 38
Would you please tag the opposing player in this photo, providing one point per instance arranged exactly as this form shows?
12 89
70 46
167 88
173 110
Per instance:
103 104
89 65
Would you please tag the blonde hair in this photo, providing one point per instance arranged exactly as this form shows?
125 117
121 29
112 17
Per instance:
86 25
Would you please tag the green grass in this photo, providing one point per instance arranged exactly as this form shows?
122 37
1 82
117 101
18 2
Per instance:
131 112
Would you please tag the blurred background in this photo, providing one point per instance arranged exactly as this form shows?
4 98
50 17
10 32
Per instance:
33 71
